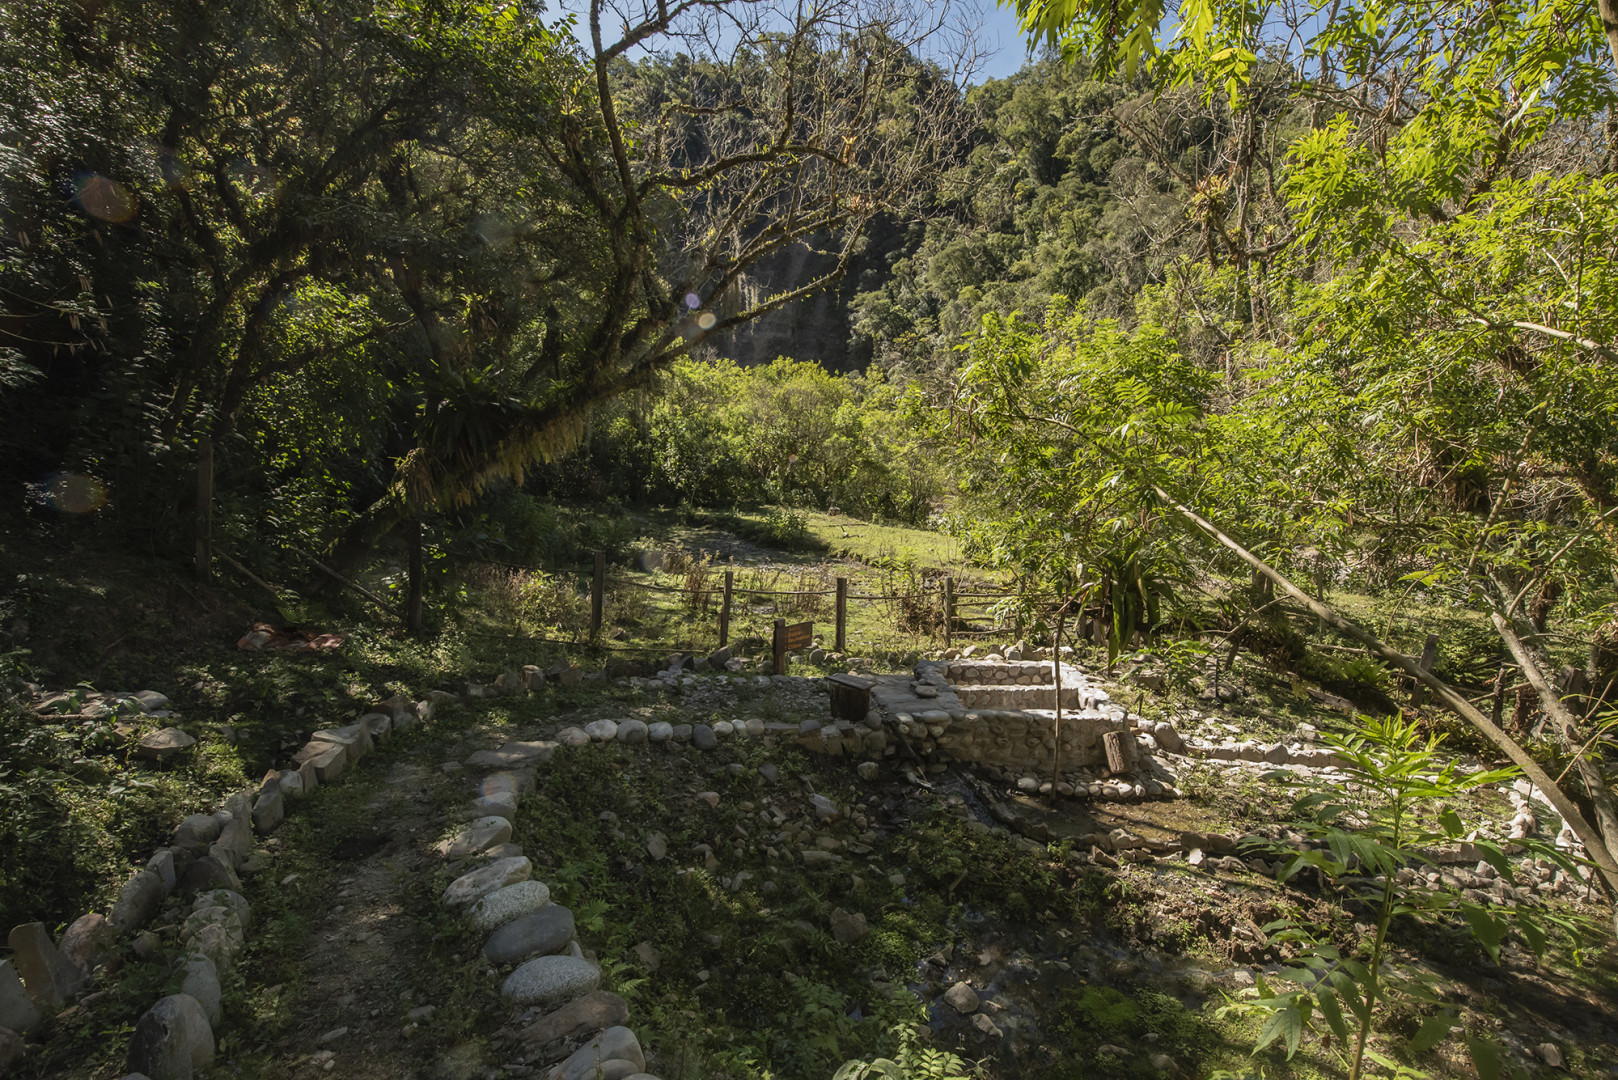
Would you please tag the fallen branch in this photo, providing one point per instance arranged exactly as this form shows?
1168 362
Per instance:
248 574
1571 816
1567 732
1505 743
356 586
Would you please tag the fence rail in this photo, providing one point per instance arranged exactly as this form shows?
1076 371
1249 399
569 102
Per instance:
940 599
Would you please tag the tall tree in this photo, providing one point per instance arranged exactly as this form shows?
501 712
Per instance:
777 127
240 156
1448 215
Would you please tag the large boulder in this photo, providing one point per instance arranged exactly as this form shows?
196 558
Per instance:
481 835
85 940
471 887
604 1056
594 1011
538 933
17 1010
201 981
501 906
142 895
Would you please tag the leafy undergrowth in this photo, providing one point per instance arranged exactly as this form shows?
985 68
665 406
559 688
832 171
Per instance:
750 978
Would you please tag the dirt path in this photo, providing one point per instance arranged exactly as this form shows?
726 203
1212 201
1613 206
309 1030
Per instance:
381 985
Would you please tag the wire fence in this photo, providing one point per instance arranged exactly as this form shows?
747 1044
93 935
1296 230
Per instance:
753 603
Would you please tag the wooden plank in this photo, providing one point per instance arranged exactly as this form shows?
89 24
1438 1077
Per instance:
598 589
724 610
1117 752
800 636
1429 653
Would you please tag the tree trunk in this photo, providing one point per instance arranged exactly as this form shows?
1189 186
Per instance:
413 603
203 557
1567 733
1609 24
367 529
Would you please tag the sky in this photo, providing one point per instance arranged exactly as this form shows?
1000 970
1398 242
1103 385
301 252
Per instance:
1004 50
1007 51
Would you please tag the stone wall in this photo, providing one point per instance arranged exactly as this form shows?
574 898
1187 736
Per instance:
1021 739
1020 697
996 713
1006 672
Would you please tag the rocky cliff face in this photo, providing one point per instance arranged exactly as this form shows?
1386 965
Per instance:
815 328
818 327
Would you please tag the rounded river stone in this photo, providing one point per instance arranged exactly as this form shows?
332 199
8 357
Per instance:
503 905
539 933
550 980
485 880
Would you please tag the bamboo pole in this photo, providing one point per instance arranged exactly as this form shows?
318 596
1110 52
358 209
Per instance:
1564 806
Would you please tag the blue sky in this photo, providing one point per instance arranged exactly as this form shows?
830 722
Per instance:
1004 50
1007 50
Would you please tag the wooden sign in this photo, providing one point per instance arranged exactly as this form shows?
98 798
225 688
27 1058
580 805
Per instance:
800 635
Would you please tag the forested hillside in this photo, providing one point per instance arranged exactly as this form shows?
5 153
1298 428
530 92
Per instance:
1108 571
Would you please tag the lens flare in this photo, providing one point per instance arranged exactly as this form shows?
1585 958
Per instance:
495 230
500 783
707 320
693 301
104 198
176 173
75 493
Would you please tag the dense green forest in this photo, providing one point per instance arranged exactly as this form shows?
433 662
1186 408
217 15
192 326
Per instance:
1205 333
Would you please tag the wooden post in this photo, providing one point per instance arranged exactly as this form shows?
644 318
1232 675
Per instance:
203 558
1056 674
949 608
841 638
1429 653
598 589
416 575
724 610
780 646
1117 759
1522 711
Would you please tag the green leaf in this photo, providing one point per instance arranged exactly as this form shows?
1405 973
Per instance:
1327 1002
1452 823
1432 1032
1485 1057
1287 1022
1533 933
1488 930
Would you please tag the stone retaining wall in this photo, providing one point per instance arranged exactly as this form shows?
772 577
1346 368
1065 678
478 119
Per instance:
941 715
1026 740
1004 672
1020 697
